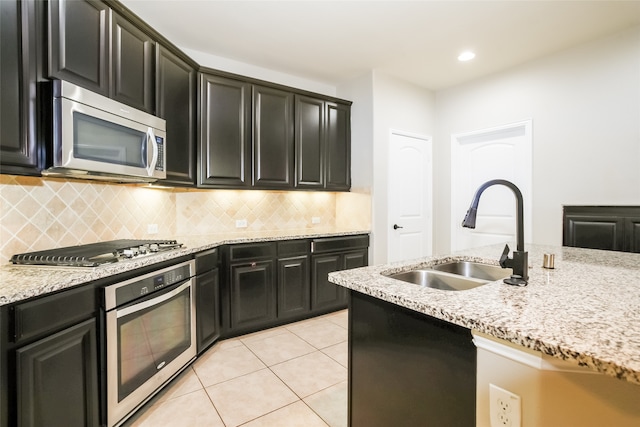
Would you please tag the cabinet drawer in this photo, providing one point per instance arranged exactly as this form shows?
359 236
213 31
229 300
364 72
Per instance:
206 260
293 247
332 244
252 251
52 313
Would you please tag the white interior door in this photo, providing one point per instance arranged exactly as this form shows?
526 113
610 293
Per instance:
498 153
410 196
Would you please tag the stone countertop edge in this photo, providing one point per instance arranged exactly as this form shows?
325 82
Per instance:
586 310
21 282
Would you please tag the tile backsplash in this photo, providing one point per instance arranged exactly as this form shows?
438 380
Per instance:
37 213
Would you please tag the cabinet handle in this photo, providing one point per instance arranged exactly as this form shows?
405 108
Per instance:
253 264
313 246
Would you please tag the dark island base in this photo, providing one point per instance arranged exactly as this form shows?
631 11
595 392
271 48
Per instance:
407 368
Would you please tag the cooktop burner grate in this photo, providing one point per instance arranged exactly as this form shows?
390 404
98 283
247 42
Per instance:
95 254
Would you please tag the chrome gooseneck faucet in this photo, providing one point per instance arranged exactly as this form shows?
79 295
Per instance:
520 262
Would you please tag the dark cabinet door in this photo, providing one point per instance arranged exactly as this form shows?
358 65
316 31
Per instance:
272 138
355 259
294 293
18 148
225 117
338 149
79 43
632 229
324 294
58 379
207 308
309 142
175 102
594 232
252 295
132 73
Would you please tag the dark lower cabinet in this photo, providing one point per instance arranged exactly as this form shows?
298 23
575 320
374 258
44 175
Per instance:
407 368
18 147
252 292
294 298
207 299
329 255
615 228
57 379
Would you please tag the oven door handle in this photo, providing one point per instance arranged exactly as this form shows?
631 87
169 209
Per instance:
141 305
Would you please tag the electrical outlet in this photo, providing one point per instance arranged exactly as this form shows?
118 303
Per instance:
504 407
152 228
241 223
315 220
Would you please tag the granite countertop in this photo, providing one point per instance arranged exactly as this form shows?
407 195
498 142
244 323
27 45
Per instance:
586 310
20 282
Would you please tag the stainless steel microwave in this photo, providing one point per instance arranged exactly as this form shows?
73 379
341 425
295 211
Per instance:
95 137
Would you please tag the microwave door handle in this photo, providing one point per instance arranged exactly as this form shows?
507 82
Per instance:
151 140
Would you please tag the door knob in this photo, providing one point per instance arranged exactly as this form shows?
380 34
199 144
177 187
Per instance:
396 226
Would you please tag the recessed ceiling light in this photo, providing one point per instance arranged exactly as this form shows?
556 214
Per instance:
466 56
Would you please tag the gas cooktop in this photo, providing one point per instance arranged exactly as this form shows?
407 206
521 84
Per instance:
95 254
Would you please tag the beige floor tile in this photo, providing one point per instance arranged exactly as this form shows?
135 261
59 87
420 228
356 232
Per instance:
331 404
295 415
250 396
226 364
260 335
338 352
323 335
279 348
190 410
303 324
186 382
311 373
340 318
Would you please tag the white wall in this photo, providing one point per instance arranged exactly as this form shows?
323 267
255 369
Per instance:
396 105
249 70
585 107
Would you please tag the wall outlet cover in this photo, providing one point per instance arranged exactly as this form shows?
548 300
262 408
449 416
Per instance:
152 228
241 223
504 407
315 220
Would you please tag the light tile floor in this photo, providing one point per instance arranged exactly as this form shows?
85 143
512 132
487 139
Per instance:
292 375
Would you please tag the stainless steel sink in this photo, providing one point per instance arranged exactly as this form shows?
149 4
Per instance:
437 280
454 276
475 270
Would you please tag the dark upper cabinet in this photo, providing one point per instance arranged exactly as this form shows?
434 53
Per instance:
132 65
323 144
18 147
176 103
338 149
79 43
94 47
224 132
272 146
615 228
309 142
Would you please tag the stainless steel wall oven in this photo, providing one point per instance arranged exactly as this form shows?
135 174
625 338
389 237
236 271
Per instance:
150 335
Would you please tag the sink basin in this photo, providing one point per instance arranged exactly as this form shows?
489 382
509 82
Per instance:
437 280
475 270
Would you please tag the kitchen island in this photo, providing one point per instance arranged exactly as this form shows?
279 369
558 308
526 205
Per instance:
584 313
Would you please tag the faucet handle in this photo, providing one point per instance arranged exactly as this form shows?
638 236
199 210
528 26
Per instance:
504 258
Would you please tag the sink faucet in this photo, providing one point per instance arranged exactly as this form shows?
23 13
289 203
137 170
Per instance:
519 263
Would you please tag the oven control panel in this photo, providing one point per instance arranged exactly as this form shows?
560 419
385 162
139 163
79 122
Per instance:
122 293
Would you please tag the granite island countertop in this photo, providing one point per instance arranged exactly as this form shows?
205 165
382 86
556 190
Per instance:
20 282
586 310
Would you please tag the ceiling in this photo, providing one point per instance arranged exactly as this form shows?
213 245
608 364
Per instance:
417 41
